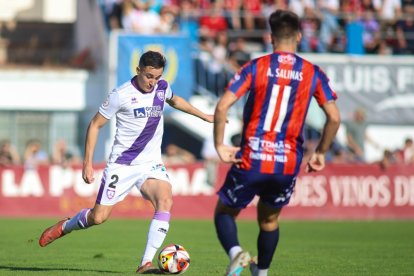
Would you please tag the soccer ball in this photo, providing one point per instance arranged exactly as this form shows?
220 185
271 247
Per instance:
173 259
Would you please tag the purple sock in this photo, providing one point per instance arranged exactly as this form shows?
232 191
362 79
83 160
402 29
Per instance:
163 216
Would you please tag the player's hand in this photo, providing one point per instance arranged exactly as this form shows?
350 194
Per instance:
227 154
315 163
88 174
209 118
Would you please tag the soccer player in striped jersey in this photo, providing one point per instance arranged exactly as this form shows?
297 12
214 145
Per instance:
135 160
280 87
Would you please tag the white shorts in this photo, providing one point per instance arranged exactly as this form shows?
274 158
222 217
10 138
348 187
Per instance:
118 180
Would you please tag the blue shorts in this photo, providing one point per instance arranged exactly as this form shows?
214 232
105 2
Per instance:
241 186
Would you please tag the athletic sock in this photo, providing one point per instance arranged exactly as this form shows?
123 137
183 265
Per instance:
226 230
262 272
156 234
266 246
234 251
79 221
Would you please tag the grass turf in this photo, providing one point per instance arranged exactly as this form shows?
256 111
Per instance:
305 248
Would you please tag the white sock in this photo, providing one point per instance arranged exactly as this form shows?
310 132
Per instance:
156 234
79 221
234 251
262 272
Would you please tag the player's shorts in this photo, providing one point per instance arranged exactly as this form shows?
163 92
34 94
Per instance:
241 186
118 180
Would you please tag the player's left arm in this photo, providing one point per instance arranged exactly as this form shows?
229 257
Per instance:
333 120
181 104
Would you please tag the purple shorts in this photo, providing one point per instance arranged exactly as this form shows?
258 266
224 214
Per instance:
241 186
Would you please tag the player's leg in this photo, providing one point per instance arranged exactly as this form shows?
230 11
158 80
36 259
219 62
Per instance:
273 197
159 193
237 191
82 220
226 229
268 238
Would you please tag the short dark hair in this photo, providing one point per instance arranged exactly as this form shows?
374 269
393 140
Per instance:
153 59
284 24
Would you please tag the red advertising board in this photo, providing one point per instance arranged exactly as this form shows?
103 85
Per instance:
363 192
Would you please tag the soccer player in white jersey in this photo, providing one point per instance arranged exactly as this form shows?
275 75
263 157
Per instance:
135 159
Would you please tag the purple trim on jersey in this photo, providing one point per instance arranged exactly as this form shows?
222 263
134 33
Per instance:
101 188
163 216
148 132
135 84
83 218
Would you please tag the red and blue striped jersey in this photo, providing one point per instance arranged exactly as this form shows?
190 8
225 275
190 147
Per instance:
281 87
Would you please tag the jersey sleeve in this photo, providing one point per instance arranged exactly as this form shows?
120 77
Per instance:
323 93
168 92
241 81
111 105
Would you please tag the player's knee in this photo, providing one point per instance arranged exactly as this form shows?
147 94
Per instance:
165 204
268 225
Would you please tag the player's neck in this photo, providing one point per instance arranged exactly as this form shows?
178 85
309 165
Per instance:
285 45
285 48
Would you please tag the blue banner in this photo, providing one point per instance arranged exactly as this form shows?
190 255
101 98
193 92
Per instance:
179 71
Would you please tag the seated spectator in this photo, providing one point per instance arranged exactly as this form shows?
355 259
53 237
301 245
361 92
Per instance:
405 31
64 156
310 25
8 154
405 155
167 23
175 155
371 32
211 159
213 22
329 10
387 160
238 55
34 155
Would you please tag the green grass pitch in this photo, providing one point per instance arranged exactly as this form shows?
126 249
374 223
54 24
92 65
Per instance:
305 248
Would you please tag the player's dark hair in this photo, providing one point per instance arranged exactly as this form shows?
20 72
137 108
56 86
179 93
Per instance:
153 59
284 24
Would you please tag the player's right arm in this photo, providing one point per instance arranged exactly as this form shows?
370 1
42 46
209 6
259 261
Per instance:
226 153
95 125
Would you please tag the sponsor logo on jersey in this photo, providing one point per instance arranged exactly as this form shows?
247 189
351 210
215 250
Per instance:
257 144
149 111
105 104
139 112
134 100
286 59
159 167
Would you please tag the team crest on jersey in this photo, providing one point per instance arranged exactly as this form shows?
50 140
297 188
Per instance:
286 59
160 95
110 194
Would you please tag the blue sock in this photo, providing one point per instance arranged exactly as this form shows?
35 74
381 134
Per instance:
266 246
226 231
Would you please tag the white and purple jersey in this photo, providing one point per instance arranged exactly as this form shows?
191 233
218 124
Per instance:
139 122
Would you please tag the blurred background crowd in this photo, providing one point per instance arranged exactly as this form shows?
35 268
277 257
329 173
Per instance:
225 34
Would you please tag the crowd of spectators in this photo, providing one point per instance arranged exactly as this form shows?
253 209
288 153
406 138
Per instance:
383 26
34 155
